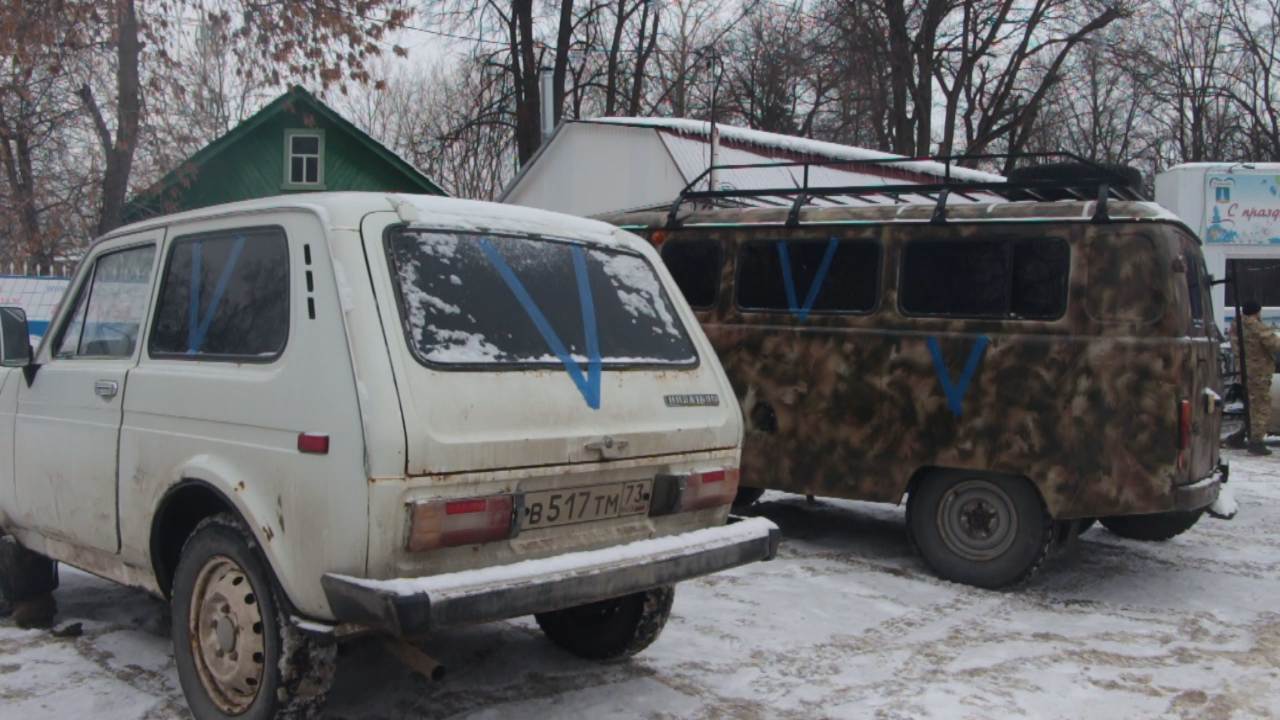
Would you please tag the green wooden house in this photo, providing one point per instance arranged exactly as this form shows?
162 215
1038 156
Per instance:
296 144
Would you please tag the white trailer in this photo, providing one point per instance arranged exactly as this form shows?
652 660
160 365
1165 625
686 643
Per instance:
1235 207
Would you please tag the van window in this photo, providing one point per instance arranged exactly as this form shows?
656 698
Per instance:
483 300
803 276
1014 278
1125 279
225 297
1194 280
110 306
695 266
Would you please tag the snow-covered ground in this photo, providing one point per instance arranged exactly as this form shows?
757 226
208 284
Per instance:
847 622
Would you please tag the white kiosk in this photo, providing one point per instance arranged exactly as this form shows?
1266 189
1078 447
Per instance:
1235 208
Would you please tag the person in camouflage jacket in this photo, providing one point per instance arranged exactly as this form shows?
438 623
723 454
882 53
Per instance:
1260 346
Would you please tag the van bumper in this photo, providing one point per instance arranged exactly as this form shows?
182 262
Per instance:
419 606
1201 493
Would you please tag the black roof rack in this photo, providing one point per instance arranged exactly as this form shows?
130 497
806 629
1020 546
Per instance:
1090 182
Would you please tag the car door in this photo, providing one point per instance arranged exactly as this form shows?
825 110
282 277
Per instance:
69 413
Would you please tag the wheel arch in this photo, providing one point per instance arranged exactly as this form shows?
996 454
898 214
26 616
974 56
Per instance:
926 473
179 511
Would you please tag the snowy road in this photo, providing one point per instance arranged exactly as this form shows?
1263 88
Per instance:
847 622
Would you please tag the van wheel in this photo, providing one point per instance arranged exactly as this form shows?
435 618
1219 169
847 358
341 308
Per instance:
1160 526
746 497
237 653
610 629
988 531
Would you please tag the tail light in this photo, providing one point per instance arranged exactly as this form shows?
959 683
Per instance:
696 490
468 521
1184 424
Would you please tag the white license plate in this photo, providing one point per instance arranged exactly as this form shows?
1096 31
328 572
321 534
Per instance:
575 505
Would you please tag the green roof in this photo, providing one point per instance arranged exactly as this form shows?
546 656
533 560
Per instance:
281 111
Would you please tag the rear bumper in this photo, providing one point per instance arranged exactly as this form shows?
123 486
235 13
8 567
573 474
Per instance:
418 606
1201 493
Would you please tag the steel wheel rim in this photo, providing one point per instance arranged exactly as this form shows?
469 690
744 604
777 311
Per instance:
977 520
225 630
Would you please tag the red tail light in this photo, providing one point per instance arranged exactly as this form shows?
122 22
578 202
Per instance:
1184 424
709 488
470 521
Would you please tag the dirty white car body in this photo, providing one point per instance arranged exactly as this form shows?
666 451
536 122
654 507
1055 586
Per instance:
326 447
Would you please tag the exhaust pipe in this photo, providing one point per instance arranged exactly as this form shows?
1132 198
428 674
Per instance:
418 661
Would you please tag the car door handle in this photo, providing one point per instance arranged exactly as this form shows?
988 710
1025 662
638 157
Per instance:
106 388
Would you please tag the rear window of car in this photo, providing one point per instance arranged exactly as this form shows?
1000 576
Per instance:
469 299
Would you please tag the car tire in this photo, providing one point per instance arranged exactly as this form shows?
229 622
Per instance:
1154 528
237 653
990 531
610 629
746 497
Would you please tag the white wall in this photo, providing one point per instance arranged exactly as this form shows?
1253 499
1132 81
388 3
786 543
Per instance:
591 169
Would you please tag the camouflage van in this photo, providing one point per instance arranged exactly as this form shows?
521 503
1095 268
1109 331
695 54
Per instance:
1008 366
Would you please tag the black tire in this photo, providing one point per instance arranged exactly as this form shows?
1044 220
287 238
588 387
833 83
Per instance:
1087 523
1155 528
746 497
990 531
219 561
610 629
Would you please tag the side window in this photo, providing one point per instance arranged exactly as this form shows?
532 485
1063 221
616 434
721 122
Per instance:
1126 282
225 297
110 306
1040 270
999 279
803 276
695 266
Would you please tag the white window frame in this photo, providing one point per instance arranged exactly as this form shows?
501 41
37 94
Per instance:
289 183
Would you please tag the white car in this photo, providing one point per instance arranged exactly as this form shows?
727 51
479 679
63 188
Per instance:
307 417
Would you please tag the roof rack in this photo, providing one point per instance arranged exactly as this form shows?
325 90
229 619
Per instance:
1096 182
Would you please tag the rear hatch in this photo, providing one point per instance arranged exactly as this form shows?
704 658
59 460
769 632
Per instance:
1206 367
516 351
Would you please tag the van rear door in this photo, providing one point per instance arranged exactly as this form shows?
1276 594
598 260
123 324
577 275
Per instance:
1206 371
516 351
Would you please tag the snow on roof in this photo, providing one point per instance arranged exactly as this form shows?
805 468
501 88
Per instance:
801 146
458 214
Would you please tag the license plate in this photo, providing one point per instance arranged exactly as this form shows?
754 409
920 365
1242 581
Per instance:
575 505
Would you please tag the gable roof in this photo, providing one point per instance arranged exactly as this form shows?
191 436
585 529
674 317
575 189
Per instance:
294 98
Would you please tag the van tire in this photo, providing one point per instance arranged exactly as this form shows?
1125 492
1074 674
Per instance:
746 497
1155 528
293 673
941 509
612 629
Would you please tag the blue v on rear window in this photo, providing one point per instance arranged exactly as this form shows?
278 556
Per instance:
477 300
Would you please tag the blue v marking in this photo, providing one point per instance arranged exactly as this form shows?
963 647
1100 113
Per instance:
955 392
588 385
197 327
789 283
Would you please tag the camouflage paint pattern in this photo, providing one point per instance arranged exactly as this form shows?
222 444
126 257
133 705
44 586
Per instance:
1260 344
1086 406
